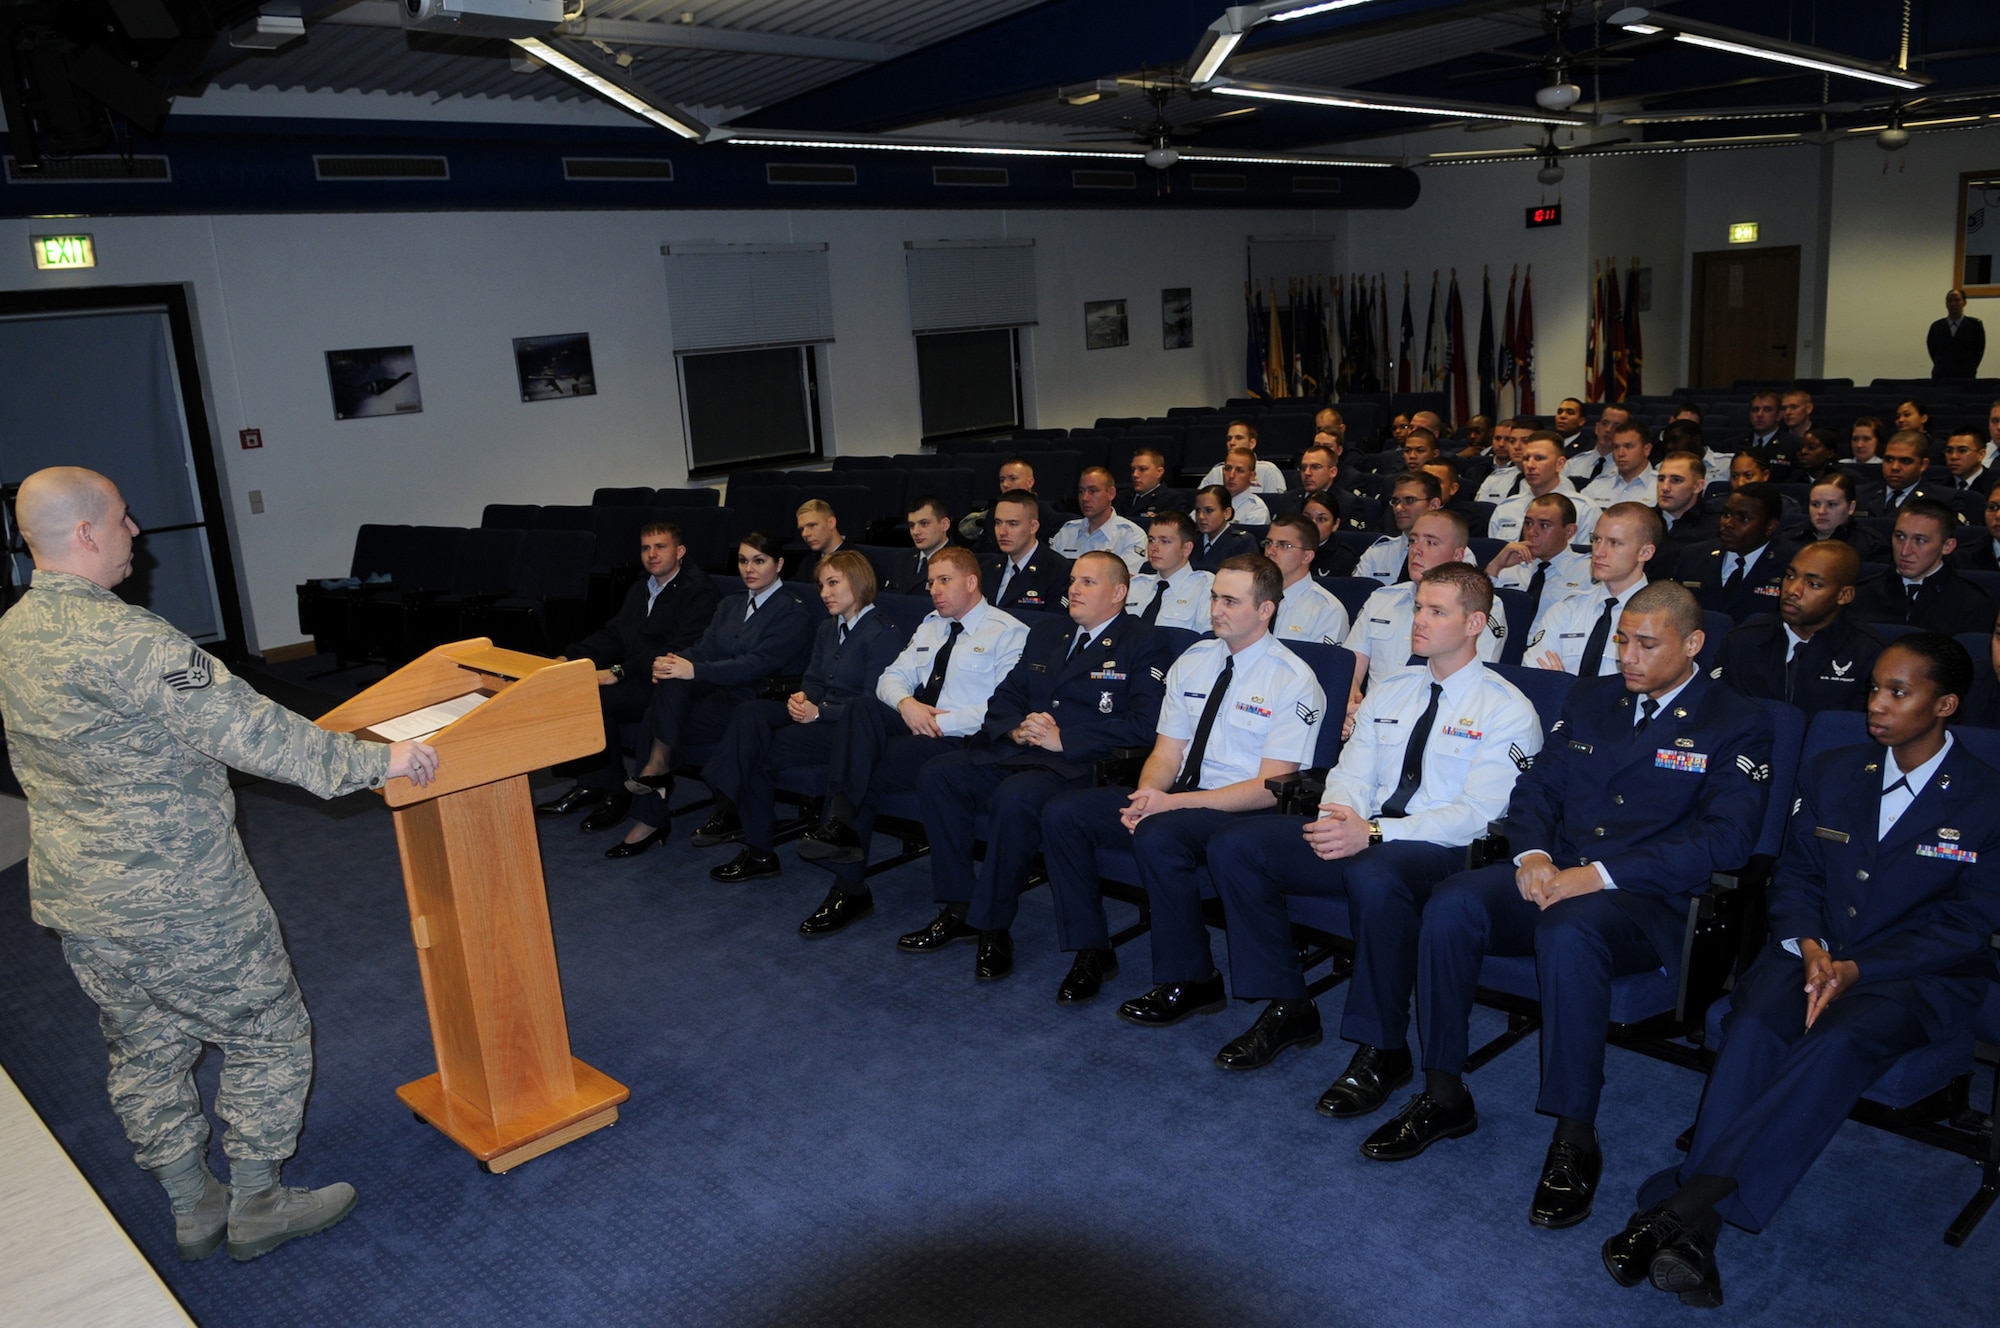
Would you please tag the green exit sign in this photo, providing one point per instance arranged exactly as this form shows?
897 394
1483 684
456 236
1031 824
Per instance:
55 252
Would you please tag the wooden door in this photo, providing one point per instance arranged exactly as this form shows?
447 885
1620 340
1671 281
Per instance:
1746 315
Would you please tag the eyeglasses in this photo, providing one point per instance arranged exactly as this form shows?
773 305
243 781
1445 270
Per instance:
1286 545
1407 502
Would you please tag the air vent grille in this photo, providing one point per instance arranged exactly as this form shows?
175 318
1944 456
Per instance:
1220 182
1315 184
381 168
1104 179
616 168
98 170
979 176
808 173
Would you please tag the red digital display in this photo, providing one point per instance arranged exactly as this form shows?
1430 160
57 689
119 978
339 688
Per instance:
1549 214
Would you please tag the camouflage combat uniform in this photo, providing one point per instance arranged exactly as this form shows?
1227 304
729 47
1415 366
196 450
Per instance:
122 730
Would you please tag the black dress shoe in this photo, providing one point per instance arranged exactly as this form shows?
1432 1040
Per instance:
996 956
1086 976
720 828
1419 1125
1283 1024
1686 1266
1628 1256
832 840
575 800
1365 1085
1568 1186
612 809
947 928
839 908
643 784
1171 1002
751 864
637 846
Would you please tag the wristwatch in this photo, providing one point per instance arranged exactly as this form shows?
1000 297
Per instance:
1374 833
618 671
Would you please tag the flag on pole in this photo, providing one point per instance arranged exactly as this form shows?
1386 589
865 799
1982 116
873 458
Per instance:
1408 343
1634 358
1274 350
1253 344
1385 349
1593 374
1524 346
1504 367
1433 376
1614 326
1485 365
1460 399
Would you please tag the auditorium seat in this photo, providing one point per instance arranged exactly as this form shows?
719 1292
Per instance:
509 516
641 496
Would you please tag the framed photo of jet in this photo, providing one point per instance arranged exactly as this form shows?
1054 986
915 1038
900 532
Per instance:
376 380
554 367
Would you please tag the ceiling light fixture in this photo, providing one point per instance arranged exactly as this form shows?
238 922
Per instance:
1371 101
1285 13
680 123
1715 38
1220 39
783 140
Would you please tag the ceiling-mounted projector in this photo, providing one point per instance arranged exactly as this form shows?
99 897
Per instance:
483 18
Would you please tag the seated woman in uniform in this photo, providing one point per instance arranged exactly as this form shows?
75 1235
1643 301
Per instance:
1830 510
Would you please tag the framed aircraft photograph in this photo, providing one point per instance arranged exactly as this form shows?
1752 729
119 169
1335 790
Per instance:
1104 326
376 380
554 367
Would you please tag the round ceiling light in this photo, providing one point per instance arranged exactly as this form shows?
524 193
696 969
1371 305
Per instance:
1550 174
1558 96
1161 157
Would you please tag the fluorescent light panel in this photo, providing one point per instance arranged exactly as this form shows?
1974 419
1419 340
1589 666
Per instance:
1211 60
605 88
1307 11
1802 61
1088 154
1715 38
1362 103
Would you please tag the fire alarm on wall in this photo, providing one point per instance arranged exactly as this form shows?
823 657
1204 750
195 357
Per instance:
250 438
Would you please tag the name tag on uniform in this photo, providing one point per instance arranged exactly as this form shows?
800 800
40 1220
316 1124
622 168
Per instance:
923 650
1837 836
1951 852
1198 696
1583 747
1387 719
1043 668
1383 621
1693 763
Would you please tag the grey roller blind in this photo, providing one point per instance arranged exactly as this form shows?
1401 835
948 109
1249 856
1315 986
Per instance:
742 296
963 285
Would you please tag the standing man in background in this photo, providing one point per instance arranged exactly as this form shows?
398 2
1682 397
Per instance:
1956 342
122 731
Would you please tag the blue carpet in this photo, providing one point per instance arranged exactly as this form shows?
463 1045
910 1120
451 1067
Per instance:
832 1133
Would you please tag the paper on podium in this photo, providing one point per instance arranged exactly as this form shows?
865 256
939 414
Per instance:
426 722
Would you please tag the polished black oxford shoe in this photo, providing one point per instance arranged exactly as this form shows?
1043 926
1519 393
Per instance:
1628 1256
1686 1266
996 956
832 840
637 846
1366 1083
575 800
839 908
1421 1123
720 828
1086 976
1171 1002
947 928
612 809
1568 1186
750 865
1283 1024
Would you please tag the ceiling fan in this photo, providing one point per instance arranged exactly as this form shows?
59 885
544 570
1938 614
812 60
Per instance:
1159 135
1558 91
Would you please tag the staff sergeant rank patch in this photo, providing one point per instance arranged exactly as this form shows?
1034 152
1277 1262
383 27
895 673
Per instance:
194 677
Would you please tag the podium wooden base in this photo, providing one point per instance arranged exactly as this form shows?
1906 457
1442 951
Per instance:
593 1106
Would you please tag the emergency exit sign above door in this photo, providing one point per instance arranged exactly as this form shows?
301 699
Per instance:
58 252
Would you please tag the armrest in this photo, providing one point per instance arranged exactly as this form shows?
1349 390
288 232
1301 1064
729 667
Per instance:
1299 792
1491 848
780 686
1122 767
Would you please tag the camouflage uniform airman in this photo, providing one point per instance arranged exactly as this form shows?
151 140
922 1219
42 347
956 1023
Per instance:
122 732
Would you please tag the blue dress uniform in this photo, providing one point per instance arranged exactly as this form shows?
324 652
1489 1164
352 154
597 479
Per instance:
1103 696
874 751
1271 711
1210 554
910 572
1483 733
1756 591
1945 602
1660 810
1040 582
1828 672
739 650
763 739
646 626
1140 508
1912 908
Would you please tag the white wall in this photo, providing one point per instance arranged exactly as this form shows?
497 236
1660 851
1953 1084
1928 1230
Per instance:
271 294
1628 221
1894 243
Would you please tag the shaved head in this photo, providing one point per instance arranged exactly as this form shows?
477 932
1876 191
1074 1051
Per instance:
74 520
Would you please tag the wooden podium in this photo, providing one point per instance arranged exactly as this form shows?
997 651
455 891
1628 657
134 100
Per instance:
506 1089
